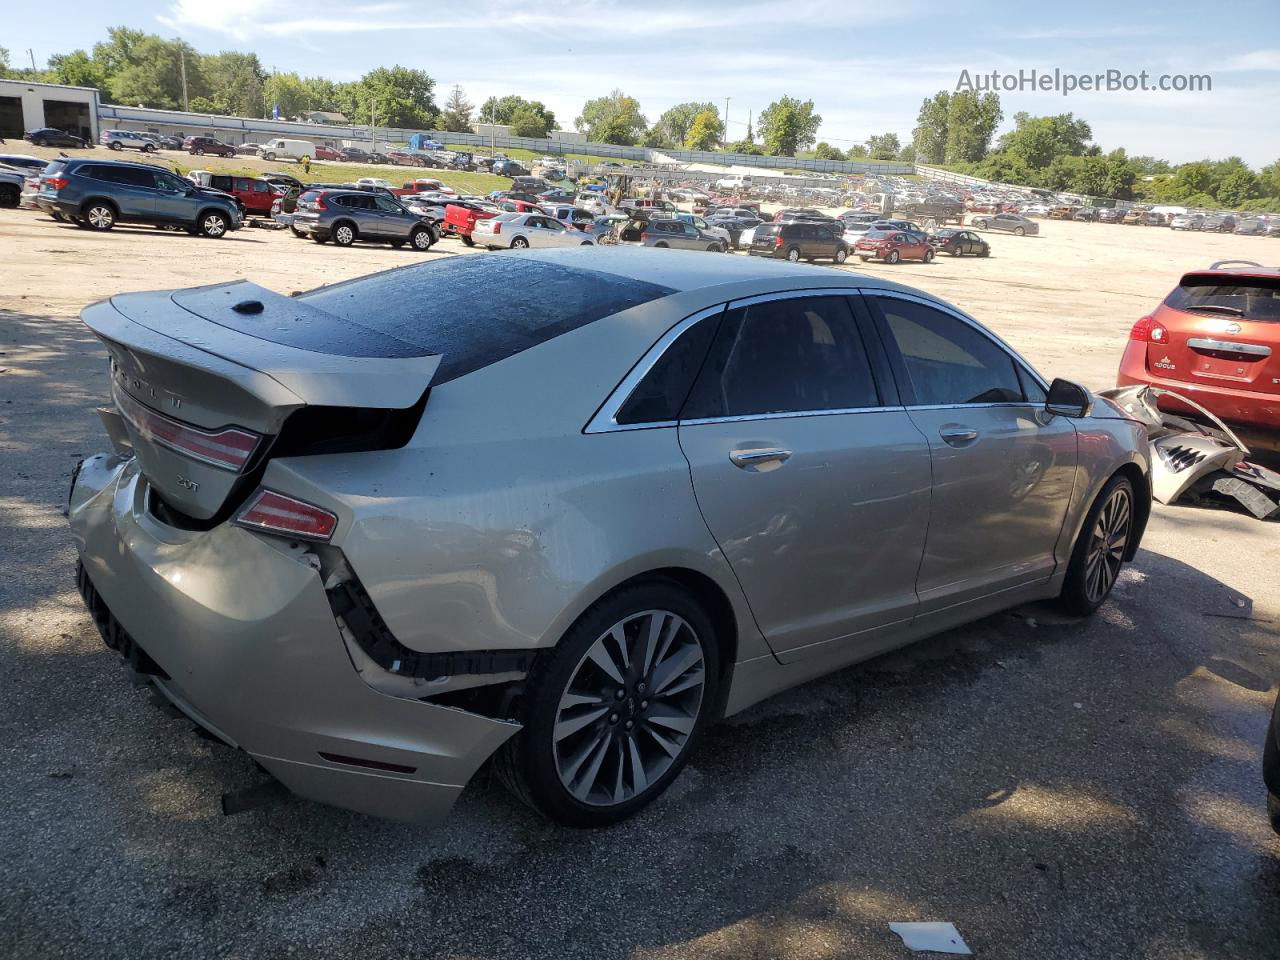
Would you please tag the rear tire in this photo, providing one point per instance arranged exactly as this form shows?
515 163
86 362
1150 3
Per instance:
793 255
467 241
892 257
344 234
100 216
114 145
519 243
841 256
1019 232
560 774
1098 554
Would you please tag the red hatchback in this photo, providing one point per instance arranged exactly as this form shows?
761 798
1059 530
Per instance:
1216 338
892 246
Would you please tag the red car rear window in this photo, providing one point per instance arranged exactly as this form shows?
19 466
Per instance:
1250 298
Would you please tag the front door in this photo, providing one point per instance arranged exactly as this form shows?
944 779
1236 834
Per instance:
173 199
813 481
1003 469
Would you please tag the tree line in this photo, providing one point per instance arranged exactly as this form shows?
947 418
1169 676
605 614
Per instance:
955 130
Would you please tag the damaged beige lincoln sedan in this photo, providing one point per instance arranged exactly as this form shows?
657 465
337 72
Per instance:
560 510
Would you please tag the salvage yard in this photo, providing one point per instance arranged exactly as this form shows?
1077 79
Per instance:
1055 788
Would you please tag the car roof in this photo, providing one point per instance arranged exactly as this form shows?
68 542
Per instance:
687 270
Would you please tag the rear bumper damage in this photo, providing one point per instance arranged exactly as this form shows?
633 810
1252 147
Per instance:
236 631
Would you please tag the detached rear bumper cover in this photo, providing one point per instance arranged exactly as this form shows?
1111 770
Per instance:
242 631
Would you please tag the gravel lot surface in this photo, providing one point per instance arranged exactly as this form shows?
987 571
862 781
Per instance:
1057 789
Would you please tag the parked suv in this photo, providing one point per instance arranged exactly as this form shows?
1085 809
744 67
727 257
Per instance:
1216 338
199 146
98 194
345 216
800 240
120 139
673 234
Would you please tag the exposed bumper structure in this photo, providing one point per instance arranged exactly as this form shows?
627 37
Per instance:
241 637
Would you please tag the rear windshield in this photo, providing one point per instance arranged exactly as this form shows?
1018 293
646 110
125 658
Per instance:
469 310
880 234
1251 298
768 230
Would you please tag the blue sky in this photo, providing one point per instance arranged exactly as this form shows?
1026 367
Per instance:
866 66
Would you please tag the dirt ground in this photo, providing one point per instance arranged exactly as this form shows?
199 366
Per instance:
1056 788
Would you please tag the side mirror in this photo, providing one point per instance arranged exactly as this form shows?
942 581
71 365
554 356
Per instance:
1067 399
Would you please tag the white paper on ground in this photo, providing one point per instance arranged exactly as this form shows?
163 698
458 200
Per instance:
936 936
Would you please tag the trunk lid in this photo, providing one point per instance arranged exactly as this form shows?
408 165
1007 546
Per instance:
206 378
1221 329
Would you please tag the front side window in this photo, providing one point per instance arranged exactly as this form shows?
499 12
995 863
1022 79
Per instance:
790 355
948 361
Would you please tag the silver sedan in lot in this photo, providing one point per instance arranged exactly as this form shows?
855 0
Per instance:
566 508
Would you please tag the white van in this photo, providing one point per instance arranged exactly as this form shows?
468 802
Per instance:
734 181
281 149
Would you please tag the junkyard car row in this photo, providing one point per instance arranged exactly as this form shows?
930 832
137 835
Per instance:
844 464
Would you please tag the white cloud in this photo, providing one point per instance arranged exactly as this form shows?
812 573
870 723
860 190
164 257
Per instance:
1261 60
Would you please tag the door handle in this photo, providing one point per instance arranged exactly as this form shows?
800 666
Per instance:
760 459
958 436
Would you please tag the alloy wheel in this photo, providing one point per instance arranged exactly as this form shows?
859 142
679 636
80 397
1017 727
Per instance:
100 218
1107 545
629 708
343 235
214 226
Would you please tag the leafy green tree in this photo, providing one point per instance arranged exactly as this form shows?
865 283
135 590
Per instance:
1036 141
529 121
288 92
152 74
615 118
457 112
971 123
236 82
1237 188
930 133
908 153
704 132
75 69
788 125
504 109
746 147
884 146
825 151
398 97
857 152
672 128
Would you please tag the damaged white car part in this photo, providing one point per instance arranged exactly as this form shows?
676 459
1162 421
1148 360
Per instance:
1196 461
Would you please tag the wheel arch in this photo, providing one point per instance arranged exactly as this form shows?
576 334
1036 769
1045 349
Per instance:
86 204
1141 482
212 209
348 221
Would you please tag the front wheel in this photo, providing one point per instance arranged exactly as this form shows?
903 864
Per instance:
213 225
1100 549
611 714
928 256
422 239
268 156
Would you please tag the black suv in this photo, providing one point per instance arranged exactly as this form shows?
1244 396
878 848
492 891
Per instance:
801 240
98 194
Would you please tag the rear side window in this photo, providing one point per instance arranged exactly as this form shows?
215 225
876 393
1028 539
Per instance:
659 396
791 355
1248 298
472 311
948 361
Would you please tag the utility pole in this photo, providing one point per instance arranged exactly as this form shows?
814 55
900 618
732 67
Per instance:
373 130
182 53
32 55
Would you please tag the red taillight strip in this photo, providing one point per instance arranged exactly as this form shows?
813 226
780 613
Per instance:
272 512
229 448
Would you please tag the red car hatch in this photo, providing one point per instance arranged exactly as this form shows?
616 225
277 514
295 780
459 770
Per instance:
1218 327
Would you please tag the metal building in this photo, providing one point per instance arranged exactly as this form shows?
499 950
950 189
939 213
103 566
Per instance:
28 106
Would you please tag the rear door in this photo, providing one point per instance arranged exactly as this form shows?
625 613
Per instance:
812 479
1003 469
1221 330
134 190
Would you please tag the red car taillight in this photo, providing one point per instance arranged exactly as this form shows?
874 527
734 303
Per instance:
271 512
1148 330
229 448
497 228
56 182
777 242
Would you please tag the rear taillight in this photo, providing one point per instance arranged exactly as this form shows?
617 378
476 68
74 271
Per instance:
1148 330
497 228
229 448
777 242
271 512
57 183
318 204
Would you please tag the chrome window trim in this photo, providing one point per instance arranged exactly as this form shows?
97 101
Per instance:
788 415
965 318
